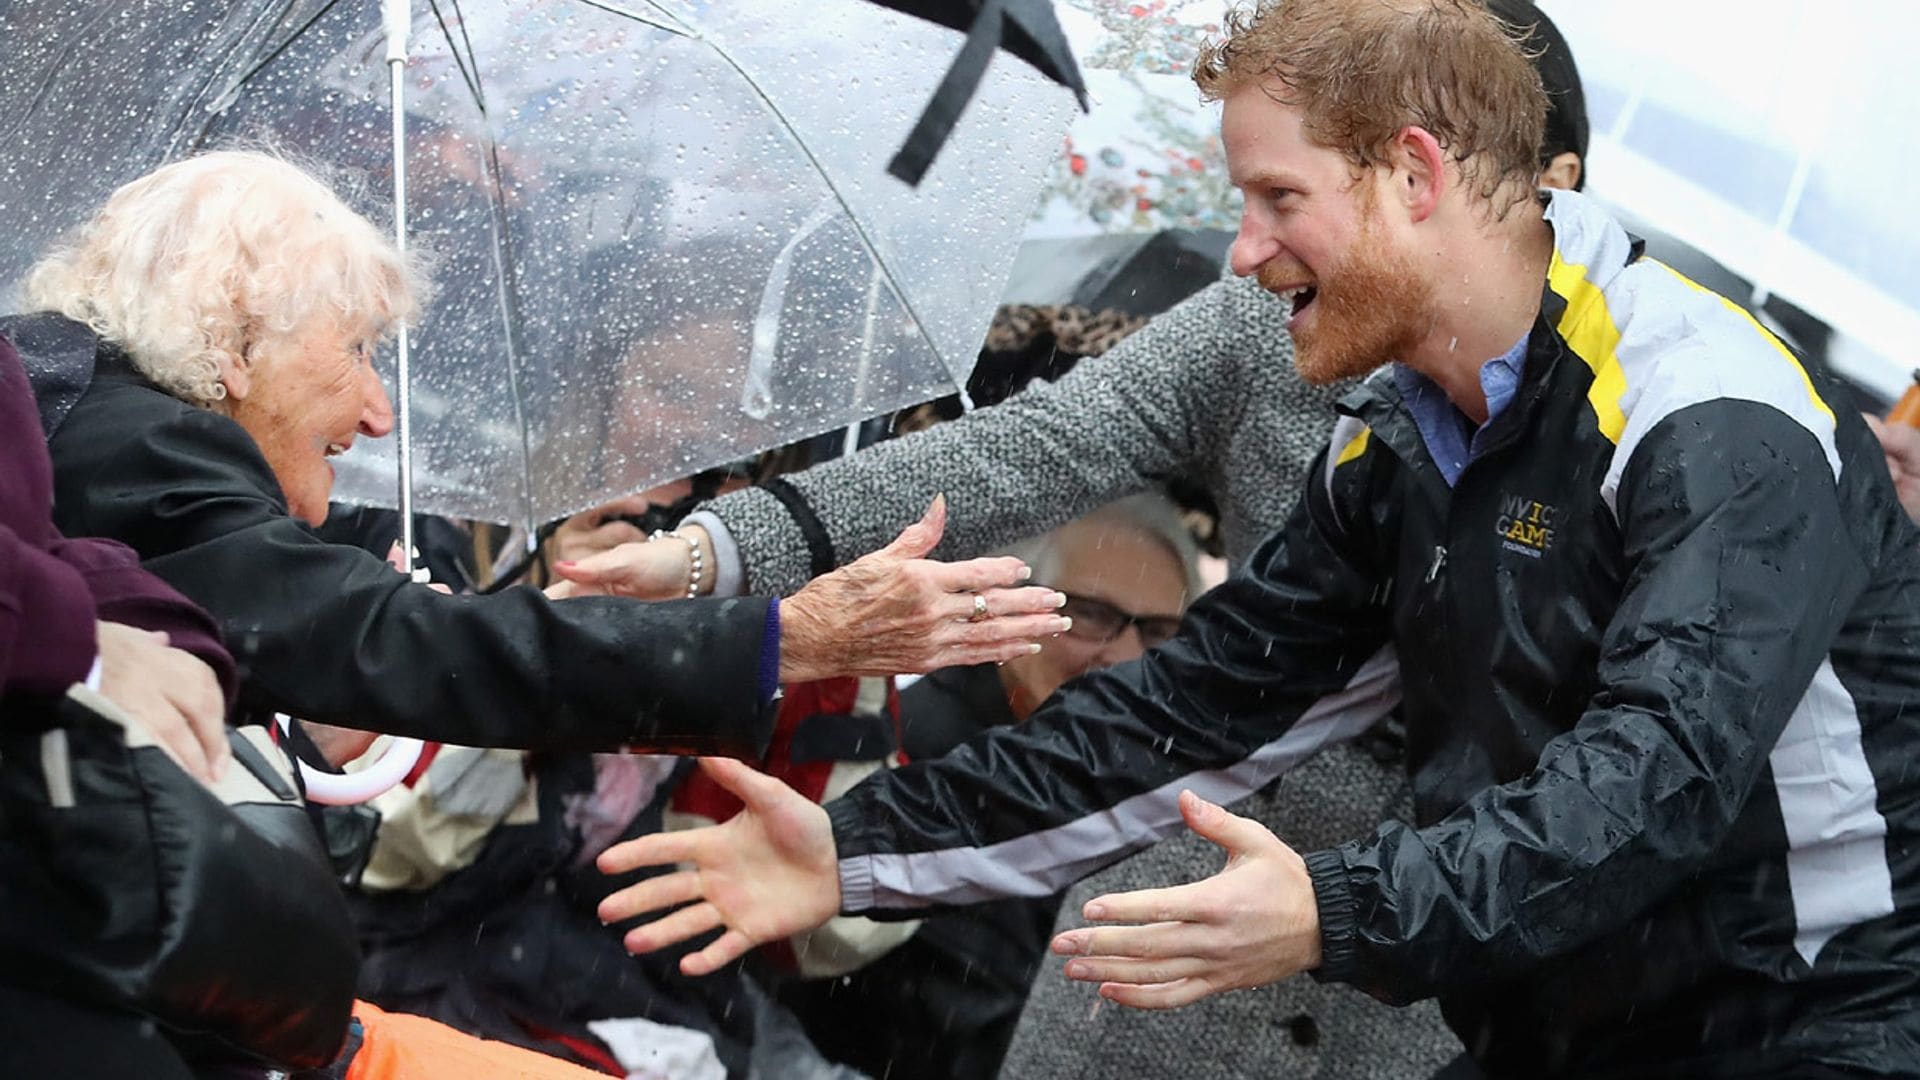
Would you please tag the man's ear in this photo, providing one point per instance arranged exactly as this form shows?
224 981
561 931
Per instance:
234 374
1419 171
1563 172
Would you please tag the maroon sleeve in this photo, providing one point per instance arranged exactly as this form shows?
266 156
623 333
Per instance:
124 593
46 620
51 588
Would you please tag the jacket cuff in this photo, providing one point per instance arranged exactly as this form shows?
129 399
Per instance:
1339 917
770 652
856 871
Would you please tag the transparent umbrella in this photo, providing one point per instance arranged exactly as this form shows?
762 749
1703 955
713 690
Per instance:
663 231
1776 136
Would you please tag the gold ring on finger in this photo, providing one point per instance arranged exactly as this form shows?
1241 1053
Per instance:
980 612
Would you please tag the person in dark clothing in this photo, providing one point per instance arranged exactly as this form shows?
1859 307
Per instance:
1647 602
81 611
944 1002
204 351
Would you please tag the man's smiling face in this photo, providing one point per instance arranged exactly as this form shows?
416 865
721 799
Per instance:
1316 237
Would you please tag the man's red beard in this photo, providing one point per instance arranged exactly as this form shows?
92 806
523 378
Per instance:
1372 308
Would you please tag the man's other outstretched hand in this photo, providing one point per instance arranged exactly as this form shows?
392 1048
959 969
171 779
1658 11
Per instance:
769 872
1253 923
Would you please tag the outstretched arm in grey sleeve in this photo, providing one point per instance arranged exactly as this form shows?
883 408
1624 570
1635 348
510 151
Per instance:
1164 402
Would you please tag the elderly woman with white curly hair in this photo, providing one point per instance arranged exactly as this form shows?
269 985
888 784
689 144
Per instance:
202 348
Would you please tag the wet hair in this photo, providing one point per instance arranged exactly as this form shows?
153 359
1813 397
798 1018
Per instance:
1361 71
227 255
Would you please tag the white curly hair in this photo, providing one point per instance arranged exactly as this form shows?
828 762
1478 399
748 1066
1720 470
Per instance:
224 256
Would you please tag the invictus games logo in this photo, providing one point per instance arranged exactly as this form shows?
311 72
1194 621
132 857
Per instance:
1525 526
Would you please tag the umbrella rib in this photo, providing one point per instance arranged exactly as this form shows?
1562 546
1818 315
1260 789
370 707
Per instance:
510 316
473 58
469 76
625 12
278 49
502 243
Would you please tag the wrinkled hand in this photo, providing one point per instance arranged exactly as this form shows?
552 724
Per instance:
1253 923
1901 444
173 693
766 874
895 611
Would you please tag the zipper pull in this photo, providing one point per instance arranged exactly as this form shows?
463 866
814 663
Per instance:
1439 563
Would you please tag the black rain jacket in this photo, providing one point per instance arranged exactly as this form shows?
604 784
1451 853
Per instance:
328 632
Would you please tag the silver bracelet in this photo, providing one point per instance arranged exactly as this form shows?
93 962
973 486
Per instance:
698 569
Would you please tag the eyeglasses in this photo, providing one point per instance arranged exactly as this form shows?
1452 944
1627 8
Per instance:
1100 622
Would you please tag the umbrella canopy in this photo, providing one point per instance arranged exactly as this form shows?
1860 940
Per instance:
1025 28
663 232
1776 136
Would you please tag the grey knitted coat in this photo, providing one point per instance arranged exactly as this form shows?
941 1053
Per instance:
1206 390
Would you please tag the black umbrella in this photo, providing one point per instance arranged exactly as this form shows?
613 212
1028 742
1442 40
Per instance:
1025 28
1166 268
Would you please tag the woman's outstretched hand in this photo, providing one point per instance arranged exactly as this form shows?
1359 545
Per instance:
897 611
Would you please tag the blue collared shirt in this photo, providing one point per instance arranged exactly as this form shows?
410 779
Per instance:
1451 438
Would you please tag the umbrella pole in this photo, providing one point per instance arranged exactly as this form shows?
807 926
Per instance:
401 754
399 19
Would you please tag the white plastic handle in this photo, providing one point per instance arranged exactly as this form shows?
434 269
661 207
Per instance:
348 789
397 15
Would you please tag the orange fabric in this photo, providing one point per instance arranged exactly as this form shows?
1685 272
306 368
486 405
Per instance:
396 1046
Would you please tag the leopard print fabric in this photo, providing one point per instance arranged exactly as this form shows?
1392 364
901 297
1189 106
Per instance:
1074 329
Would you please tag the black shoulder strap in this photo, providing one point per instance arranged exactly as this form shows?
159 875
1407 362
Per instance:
819 547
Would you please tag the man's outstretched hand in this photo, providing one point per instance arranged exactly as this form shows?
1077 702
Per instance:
769 872
1253 923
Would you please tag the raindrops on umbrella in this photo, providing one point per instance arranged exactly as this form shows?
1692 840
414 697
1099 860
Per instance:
605 199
